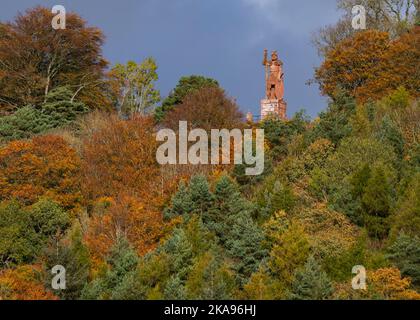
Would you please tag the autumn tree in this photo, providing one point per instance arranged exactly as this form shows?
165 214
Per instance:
369 65
23 283
32 66
45 165
394 17
185 86
207 108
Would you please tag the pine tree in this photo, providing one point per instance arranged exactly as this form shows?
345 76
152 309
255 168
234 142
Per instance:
181 202
122 261
405 254
290 251
210 278
311 283
174 289
376 203
74 256
245 245
201 196
227 205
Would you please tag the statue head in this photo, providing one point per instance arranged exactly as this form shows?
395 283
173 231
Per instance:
274 56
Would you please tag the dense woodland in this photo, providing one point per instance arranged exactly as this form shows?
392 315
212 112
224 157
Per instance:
80 186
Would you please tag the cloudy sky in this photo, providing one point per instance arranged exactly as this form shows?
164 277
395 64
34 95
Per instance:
223 39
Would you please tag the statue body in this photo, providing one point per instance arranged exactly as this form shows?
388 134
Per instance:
274 77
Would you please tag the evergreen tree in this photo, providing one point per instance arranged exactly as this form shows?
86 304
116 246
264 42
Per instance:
74 256
245 245
210 279
181 202
60 108
405 254
174 289
289 251
390 134
201 196
311 283
122 261
334 124
376 203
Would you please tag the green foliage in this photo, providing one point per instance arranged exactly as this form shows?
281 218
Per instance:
339 178
280 133
334 124
289 251
311 283
185 86
71 253
405 254
390 134
122 262
407 213
210 279
17 241
58 110
26 231
376 203
134 86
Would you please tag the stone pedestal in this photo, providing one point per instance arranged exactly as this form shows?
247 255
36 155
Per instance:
276 108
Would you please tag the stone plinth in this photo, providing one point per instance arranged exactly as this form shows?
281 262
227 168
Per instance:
273 107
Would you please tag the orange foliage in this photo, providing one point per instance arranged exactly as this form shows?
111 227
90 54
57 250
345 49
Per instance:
43 166
22 284
369 65
123 185
383 284
120 157
128 216
387 282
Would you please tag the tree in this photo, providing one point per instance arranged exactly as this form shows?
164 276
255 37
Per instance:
32 66
290 250
26 231
387 284
370 66
207 108
72 253
185 86
261 287
334 123
376 203
57 111
119 156
392 16
405 254
122 260
23 283
407 212
197 198
45 165
280 133
209 279
134 86
311 283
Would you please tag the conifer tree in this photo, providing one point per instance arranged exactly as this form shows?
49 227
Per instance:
405 254
376 203
311 283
